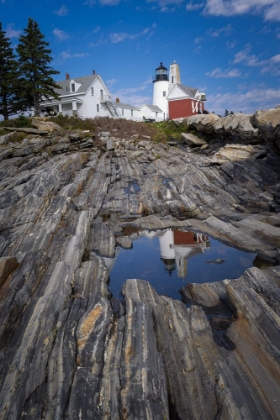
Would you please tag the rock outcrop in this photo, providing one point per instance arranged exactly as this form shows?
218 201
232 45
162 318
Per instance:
236 126
268 124
262 126
68 348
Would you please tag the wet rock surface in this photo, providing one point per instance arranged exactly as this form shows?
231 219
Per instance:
68 349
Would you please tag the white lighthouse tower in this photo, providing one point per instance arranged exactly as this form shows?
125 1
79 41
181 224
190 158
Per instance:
160 92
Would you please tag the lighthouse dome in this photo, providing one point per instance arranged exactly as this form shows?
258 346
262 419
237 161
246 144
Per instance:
161 73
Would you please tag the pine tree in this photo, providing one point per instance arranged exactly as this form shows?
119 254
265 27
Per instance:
36 80
8 77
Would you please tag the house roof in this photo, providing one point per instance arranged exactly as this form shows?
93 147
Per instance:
84 81
126 106
186 91
153 108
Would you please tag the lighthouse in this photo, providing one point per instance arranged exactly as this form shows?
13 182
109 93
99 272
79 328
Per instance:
161 84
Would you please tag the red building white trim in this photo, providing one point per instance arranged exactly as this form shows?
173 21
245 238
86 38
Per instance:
184 101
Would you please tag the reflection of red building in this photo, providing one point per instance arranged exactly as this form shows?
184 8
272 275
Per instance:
188 238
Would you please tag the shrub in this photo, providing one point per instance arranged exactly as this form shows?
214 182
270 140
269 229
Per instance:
21 121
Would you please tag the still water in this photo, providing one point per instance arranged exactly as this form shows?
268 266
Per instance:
169 259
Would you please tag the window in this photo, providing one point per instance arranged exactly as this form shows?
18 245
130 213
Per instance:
101 94
97 107
172 79
164 93
132 112
73 87
92 91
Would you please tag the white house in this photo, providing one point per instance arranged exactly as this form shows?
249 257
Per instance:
152 112
129 112
85 97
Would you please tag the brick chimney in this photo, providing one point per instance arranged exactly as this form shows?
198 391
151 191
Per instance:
117 100
67 76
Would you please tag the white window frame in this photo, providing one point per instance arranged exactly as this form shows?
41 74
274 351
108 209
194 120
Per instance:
73 87
164 93
92 91
97 108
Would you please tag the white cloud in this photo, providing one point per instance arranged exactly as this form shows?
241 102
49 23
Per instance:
164 3
198 40
109 2
227 30
63 11
272 66
230 44
117 37
265 30
269 8
247 59
101 41
273 13
89 3
197 49
65 55
132 98
276 58
111 82
248 102
196 6
11 32
97 29
217 73
60 35
133 95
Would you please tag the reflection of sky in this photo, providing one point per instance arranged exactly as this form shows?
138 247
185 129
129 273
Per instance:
144 262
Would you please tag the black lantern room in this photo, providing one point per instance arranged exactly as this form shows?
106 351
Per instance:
161 73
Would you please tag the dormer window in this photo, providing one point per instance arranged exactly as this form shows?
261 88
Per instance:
72 87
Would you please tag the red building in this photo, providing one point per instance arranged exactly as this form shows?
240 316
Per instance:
184 101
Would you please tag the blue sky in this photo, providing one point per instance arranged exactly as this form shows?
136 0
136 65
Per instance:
229 49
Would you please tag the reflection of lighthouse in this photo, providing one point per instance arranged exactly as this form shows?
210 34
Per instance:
176 247
167 253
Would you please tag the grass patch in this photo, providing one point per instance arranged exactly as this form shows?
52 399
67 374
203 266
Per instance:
159 132
169 130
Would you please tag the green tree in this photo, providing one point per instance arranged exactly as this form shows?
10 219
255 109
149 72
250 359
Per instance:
226 113
8 77
36 80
